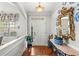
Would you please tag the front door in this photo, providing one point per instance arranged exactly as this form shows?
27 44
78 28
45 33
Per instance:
39 31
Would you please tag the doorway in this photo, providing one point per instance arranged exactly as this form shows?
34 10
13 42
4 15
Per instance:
39 30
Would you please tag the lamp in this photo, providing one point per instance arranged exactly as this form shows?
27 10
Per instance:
39 8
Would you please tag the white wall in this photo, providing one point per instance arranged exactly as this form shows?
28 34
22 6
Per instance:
75 43
21 22
16 48
54 15
53 19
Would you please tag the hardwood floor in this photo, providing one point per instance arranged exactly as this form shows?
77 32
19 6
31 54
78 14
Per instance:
39 51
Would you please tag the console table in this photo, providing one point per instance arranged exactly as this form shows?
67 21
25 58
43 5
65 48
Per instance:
63 50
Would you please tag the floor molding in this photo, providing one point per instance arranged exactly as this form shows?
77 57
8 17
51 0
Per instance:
40 45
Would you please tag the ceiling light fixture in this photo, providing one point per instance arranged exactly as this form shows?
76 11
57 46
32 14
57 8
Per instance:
39 7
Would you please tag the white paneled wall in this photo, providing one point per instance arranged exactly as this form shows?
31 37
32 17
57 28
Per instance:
7 39
14 45
13 48
40 42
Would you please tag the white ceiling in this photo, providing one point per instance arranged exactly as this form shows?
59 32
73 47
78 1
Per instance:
49 6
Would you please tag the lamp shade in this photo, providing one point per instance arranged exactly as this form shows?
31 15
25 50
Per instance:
40 8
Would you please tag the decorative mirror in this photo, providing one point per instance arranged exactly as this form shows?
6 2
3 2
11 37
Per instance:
65 23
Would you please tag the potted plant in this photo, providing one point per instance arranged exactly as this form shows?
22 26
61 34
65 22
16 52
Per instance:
29 40
58 40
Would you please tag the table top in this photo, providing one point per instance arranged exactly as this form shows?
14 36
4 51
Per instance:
66 49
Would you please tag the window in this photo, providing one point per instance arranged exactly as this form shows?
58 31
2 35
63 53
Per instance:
8 23
8 28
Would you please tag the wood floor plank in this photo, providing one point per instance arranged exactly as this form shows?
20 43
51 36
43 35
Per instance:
39 51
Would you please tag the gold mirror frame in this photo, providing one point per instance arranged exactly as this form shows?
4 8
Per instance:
70 13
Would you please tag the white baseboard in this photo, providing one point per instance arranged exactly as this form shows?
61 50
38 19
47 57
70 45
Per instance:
40 45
